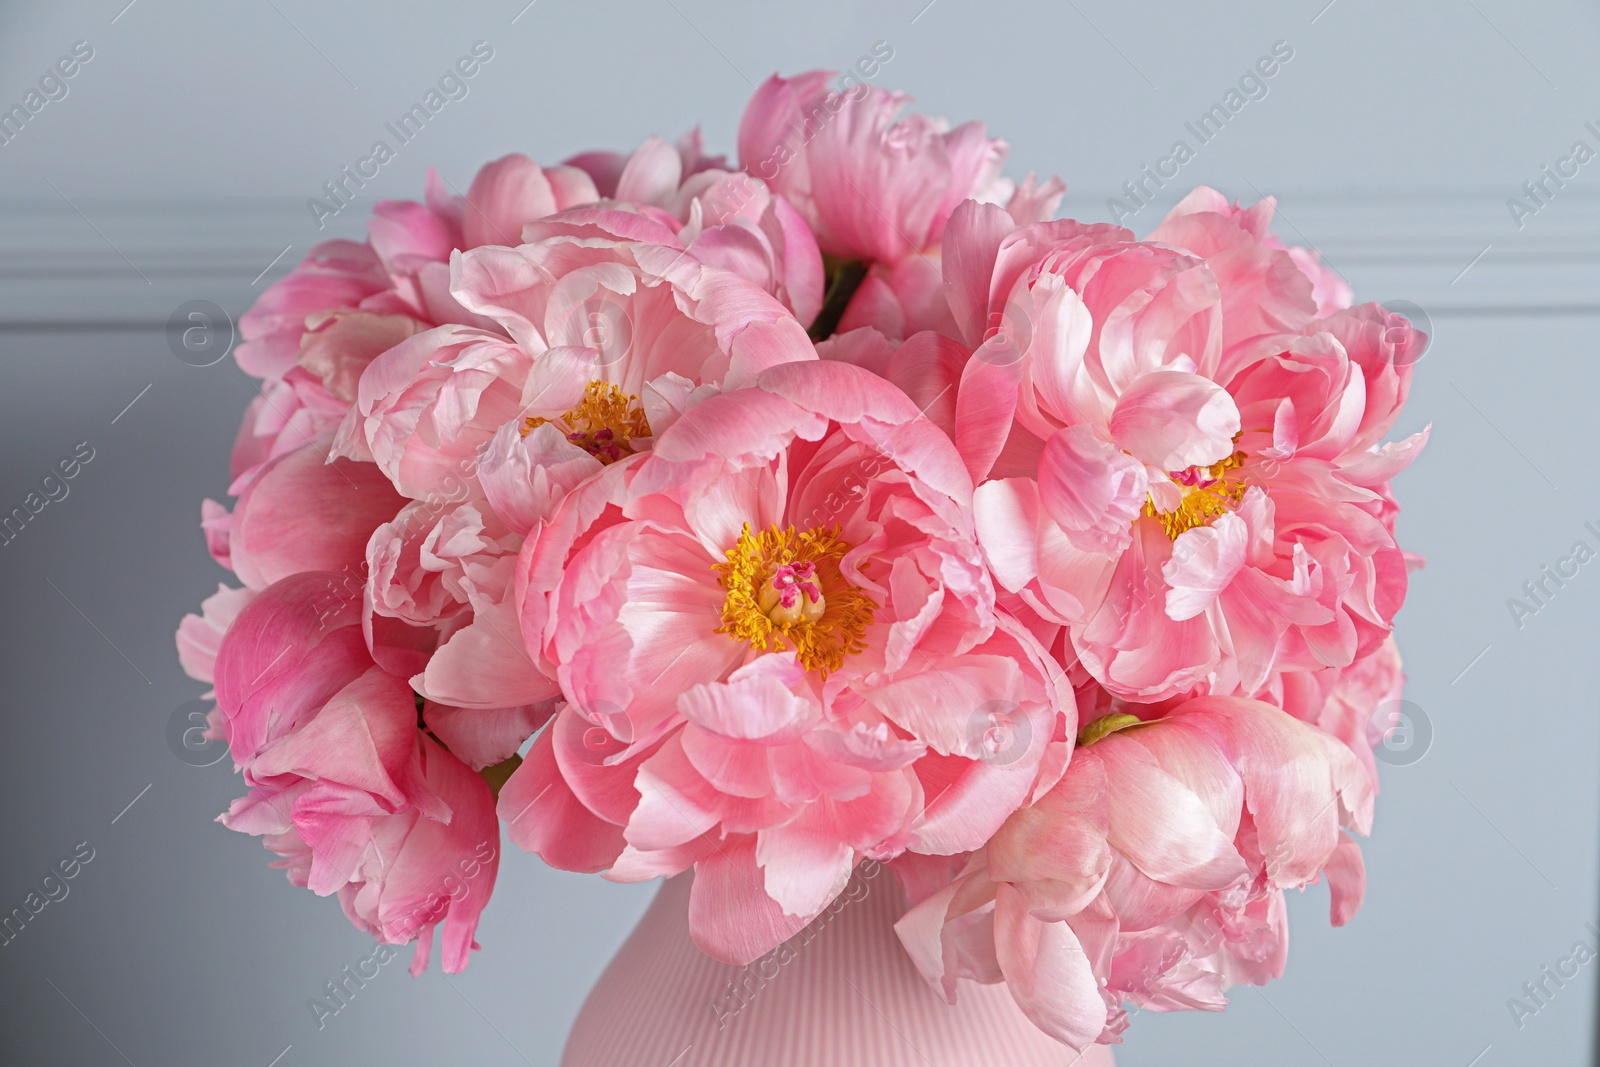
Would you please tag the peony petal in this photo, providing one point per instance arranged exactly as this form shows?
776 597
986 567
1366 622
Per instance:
1175 420
730 917
1048 972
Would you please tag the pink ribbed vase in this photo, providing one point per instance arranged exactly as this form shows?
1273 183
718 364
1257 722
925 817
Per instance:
845 995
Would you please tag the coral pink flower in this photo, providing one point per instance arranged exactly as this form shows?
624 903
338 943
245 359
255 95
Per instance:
344 787
780 653
1356 704
1153 870
639 175
335 275
608 337
1193 485
313 331
316 330
872 186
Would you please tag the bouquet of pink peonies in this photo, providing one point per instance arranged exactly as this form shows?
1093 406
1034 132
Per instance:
840 506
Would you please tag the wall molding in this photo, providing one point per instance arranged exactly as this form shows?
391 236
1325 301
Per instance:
127 264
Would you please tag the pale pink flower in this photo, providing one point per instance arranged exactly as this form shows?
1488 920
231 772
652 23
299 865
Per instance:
780 653
416 240
391 273
926 367
1356 703
336 274
314 332
513 191
306 405
607 169
1153 870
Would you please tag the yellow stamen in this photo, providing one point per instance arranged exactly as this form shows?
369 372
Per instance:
785 590
1219 490
604 423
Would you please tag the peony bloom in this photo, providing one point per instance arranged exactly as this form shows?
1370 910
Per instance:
877 190
403 268
841 507
343 785
439 611
304 513
780 653
1153 871
199 636
609 336
1193 485
316 329
1354 703
872 185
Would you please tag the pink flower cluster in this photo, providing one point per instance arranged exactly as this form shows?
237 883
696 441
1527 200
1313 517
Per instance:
765 521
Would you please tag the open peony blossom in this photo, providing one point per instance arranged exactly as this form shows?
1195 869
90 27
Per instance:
602 335
843 507
1193 484
780 653
313 331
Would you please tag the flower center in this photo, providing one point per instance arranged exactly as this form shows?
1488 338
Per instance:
604 424
1208 492
785 590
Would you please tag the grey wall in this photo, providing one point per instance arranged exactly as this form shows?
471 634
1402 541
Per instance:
177 168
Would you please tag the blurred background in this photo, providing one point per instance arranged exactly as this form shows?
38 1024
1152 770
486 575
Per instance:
1429 150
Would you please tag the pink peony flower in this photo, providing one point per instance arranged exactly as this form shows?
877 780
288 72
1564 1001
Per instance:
304 513
316 329
870 185
335 275
780 653
622 175
1193 485
344 787
1356 704
608 338
199 636
550 510
1153 871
